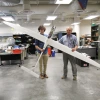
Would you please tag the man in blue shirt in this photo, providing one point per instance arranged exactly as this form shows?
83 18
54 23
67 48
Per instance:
69 40
44 58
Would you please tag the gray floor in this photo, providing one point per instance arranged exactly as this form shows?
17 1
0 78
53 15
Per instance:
16 84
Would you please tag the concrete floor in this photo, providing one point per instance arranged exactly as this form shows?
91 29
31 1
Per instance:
16 84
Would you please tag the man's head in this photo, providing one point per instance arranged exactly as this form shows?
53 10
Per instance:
69 30
41 29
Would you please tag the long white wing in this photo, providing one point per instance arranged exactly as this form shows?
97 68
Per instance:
54 44
76 54
26 31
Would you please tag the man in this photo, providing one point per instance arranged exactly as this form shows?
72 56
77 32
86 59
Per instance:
69 40
44 58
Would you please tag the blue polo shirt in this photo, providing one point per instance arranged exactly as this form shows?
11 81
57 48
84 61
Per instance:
69 40
41 45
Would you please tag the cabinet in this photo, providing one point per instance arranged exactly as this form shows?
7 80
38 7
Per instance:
81 63
25 39
20 38
95 31
91 51
17 39
97 45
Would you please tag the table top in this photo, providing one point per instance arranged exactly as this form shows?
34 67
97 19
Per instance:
86 47
6 53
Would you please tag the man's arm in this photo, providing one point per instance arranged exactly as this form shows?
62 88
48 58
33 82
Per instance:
37 47
61 40
75 48
76 45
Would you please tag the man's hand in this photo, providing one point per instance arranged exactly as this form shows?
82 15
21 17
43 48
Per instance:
42 50
39 48
73 49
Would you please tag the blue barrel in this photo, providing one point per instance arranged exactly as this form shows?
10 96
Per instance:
53 53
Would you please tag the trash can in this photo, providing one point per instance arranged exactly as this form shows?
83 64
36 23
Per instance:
49 50
53 53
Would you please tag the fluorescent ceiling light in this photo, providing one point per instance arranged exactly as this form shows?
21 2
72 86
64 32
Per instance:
46 24
63 1
51 17
8 18
91 17
18 24
33 22
75 23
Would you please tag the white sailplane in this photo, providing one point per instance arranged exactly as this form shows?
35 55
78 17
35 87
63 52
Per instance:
56 44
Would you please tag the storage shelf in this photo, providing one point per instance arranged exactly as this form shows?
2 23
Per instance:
95 32
94 36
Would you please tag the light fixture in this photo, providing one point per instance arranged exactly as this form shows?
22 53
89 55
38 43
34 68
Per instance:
76 23
91 17
7 18
18 24
63 1
46 24
26 22
51 17
32 22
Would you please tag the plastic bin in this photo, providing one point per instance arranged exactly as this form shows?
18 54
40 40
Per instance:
17 51
53 53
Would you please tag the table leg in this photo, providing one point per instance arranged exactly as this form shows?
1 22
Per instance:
10 62
0 61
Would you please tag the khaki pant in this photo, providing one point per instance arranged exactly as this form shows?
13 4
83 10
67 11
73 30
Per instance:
43 63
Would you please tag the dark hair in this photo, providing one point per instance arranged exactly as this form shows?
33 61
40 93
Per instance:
41 27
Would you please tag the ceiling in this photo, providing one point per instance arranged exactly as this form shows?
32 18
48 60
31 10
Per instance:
36 11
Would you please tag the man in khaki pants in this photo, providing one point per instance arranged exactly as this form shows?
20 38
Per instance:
44 58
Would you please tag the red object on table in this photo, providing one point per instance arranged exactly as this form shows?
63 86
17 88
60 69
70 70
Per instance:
17 51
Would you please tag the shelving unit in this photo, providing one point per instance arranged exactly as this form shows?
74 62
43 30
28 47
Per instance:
95 31
19 38
25 39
